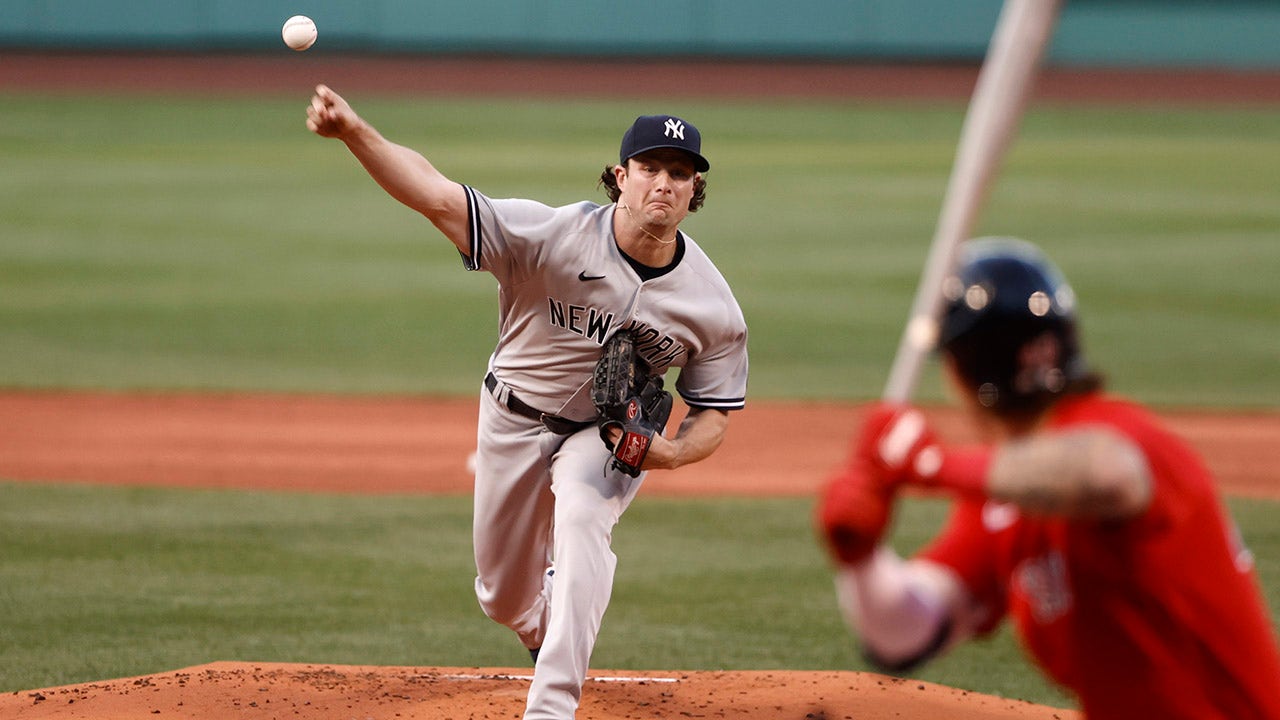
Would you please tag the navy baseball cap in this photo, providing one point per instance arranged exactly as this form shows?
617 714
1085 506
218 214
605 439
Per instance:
650 132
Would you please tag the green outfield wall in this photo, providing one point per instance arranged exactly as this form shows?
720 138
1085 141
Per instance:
1225 33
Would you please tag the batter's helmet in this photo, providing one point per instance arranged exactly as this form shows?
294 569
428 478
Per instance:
1009 326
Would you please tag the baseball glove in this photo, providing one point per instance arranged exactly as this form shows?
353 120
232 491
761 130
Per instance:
627 397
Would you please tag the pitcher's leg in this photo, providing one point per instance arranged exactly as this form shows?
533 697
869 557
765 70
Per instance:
589 500
512 520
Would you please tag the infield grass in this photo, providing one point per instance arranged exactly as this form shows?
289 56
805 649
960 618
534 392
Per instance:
215 244
106 582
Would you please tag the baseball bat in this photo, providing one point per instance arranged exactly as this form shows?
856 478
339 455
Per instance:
1004 82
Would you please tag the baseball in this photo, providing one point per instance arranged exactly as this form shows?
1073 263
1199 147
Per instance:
299 32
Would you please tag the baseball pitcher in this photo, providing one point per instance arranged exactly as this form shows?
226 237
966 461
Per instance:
596 304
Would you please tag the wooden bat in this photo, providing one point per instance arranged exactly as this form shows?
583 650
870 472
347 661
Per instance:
1004 83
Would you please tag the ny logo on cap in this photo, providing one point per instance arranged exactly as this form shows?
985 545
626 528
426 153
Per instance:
674 128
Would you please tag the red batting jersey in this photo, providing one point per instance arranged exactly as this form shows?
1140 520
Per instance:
1156 616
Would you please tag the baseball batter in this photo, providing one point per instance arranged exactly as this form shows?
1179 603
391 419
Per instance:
547 494
1097 532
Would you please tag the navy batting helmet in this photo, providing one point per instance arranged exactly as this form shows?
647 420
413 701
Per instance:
1009 326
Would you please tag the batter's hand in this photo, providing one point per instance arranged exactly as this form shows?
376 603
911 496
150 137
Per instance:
853 512
329 115
897 444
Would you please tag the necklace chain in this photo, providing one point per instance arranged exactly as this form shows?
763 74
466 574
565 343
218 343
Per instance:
642 227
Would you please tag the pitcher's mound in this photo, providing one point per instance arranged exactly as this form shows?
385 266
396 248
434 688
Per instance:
254 691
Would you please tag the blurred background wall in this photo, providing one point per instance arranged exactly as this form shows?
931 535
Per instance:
1170 33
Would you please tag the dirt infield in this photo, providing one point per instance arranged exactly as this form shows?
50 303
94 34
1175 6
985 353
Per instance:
421 445
386 445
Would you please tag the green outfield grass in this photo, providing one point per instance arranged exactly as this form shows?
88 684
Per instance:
176 243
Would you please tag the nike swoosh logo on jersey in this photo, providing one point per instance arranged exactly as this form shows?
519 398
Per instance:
584 277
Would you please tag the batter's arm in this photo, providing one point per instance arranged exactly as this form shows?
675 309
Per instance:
1087 472
905 612
700 433
405 174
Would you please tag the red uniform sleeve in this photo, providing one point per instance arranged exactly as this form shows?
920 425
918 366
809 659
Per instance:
966 547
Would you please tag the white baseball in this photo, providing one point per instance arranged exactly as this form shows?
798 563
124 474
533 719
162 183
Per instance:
299 32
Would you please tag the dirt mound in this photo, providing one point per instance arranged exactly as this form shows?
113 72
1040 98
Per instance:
331 692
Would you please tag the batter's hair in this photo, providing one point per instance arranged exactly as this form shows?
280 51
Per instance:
610 185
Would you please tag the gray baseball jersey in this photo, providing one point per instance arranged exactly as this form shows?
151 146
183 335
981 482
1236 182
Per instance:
546 502
566 288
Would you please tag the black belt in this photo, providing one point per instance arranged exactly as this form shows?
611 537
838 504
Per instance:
554 423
